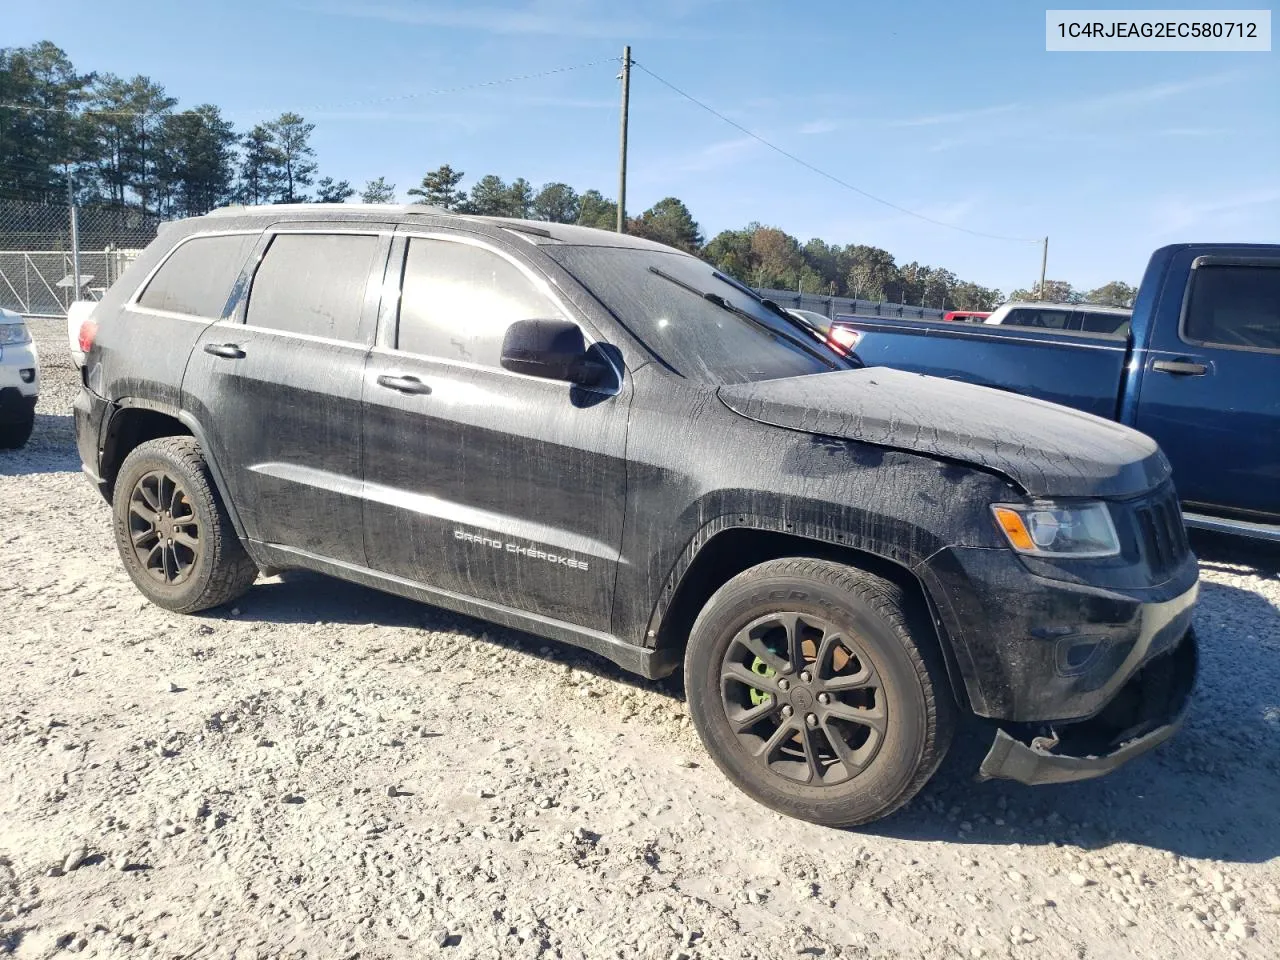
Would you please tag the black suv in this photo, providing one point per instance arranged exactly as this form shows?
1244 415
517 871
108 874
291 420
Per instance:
602 440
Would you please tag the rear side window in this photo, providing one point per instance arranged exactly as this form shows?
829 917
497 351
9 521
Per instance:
197 277
1235 306
314 284
458 301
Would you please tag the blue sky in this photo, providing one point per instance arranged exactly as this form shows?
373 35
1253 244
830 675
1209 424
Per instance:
942 108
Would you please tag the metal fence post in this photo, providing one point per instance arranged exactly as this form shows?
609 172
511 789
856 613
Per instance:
75 239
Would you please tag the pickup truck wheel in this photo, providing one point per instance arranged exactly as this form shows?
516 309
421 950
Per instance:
174 536
818 691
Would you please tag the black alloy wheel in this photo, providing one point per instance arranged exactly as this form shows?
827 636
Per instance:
804 698
163 528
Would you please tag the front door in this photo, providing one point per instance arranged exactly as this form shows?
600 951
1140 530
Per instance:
484 483
278 388
1211 387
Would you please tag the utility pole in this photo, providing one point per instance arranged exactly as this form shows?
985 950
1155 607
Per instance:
75 237
622 157
1044 263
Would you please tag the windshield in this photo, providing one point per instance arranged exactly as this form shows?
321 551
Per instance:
658 296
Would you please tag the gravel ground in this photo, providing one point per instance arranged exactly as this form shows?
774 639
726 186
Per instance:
327 771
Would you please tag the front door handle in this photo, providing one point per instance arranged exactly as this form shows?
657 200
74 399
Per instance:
1183 368
403 384
230 351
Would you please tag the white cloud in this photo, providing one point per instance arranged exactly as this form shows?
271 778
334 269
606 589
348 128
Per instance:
1153 93
565 18
1240 212
959 116
814 127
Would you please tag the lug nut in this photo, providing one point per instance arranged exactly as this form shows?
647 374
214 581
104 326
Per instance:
804 675
786 711
784 684
811 719
824 698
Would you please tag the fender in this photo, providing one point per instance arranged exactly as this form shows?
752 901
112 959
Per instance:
826 539
191 423
820 535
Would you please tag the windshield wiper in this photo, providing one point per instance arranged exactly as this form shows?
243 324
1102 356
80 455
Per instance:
773 306
724 304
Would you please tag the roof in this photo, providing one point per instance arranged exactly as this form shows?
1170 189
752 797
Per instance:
536 231
1058 305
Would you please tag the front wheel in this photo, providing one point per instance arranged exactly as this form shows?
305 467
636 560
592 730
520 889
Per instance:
818 690
174 536
15 434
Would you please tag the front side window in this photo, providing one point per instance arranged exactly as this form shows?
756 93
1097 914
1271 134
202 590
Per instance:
459 299
314 284
196 279
1235 306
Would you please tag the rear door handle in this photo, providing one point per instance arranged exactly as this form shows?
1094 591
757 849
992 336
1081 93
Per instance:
1184 368
403 384
230 351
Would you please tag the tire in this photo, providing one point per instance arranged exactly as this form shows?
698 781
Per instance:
184 554
14 436
863 646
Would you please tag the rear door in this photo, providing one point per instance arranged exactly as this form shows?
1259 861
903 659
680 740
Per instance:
277 386
481 482
1211 384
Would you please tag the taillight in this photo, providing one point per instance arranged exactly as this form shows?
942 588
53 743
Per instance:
88 331
844 339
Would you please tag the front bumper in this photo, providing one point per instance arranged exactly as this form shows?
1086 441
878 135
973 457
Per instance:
19 382
1031 649
1148 710
20 369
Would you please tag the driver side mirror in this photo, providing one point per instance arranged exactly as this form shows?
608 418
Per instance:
551 349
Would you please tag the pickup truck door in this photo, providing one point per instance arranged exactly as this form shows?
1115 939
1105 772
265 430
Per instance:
1210 390
481 482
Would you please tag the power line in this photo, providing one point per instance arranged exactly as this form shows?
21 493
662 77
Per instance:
822 173
337 106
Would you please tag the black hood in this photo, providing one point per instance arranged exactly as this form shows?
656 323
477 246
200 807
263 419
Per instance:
1048 450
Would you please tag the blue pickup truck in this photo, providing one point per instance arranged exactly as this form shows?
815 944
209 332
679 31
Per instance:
1198 370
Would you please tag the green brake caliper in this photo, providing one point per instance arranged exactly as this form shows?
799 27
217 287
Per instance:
758 666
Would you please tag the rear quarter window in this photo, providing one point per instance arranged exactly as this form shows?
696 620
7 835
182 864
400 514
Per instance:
1036 317
196 278
1103 322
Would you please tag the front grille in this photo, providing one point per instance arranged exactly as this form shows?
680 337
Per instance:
1163 536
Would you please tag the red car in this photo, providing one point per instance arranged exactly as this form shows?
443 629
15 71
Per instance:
966 316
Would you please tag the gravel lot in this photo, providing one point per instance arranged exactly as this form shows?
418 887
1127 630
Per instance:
327 771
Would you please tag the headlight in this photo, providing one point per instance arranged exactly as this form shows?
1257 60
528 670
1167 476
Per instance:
11 333
1058 530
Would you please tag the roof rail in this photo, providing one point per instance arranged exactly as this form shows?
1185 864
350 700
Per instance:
241 209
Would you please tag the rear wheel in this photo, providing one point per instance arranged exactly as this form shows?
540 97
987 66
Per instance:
818 689
173 534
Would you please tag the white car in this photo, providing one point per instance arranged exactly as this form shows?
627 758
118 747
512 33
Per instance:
19 381
1078 317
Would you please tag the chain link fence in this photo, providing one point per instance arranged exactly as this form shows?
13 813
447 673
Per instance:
38 248
831 307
